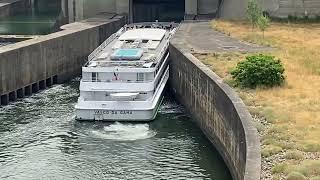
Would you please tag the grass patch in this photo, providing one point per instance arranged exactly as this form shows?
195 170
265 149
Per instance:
311 147
294 154
280 168
292 110
256 38
259 126
276 177
297 103
270 150
295 176
309 168
306 169
279 136
269 114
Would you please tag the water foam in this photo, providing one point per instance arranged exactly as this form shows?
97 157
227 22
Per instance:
171 108
125 132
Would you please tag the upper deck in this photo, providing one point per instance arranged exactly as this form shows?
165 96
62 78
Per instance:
140 45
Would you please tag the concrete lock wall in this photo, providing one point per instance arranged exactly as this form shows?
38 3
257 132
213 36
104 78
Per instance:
236 9
298 8
59 55
218 111
91 8
233 9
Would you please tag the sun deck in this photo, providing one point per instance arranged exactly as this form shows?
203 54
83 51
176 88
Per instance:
132 48
135 48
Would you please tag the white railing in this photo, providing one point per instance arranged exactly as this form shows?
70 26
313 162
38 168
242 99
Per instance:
101 47
165 48
104 63
105 44
117 81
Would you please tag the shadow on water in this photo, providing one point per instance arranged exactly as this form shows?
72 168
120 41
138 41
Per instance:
39 138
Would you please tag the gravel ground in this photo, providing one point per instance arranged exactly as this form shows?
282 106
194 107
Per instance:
267 163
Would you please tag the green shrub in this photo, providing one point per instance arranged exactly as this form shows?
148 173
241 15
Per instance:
259 70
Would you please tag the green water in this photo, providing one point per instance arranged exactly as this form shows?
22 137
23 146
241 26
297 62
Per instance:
39 139
34 21
27 25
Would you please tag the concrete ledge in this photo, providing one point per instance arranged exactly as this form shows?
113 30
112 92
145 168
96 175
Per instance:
15 38
58 55
218 111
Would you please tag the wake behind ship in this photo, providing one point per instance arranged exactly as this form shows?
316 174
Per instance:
125 76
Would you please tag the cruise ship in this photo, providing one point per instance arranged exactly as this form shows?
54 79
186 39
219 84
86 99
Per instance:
125 77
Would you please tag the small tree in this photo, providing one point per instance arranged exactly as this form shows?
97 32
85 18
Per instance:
263 23
253 12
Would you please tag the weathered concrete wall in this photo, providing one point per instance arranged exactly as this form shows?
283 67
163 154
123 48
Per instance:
219 112
91 8
233 9
12 7
298 8
236 9
208 6
191 7
123 6
58 55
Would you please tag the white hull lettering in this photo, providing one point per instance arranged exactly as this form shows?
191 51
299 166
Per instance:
98 112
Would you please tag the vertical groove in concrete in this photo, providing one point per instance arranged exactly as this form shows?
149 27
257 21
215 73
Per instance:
20 93
27 91
55 79
49 82
42 85
13 96
4 99
35 87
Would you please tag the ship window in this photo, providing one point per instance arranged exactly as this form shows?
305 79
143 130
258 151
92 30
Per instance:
94 77
140 77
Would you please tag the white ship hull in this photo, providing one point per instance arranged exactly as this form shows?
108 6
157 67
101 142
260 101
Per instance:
122 110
